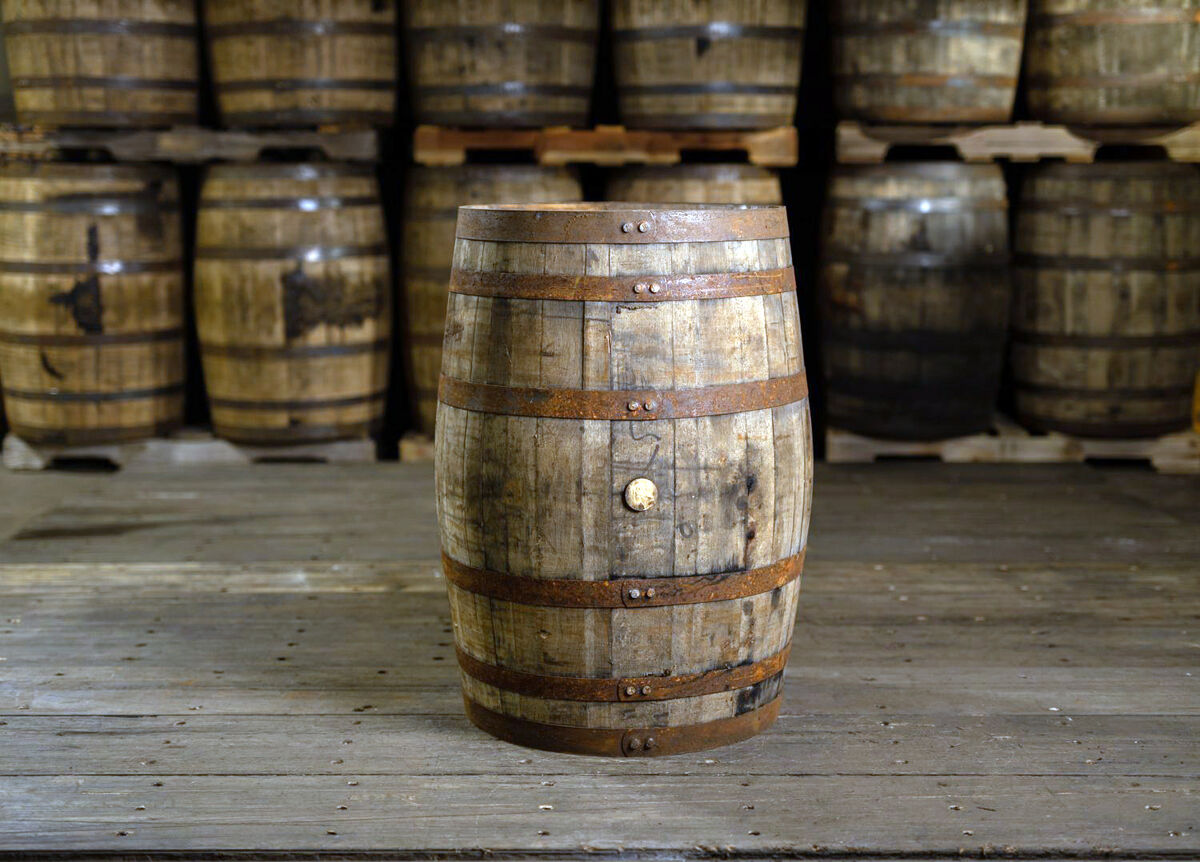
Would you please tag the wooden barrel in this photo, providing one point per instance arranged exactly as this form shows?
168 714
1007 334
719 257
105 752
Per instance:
519 63
117 63
432 199
930 61
1114 62
91 302
696 184
722 64
280 63
293 301
914 289
623 472
1106 326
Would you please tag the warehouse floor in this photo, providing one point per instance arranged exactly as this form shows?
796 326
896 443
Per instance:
989 659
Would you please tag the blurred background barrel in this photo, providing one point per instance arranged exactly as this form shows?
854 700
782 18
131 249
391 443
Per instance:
519 63
1106 324
293 301
431 203
91 302
951 61
1114 62
724 64
279 63
915 296
117 63
698 184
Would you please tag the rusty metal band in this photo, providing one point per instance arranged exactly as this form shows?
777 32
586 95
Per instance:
633 689
1119 342
712 30
1131 393
504 88
305 404
116 82
1081 207
98 26
621 405
1143 79
289 84
305 116
902 115
910 79
123 395
1118 264
96 340
710 87
1126 16
634 742
100 267
94 435
506 30
296 433
928 26
318 27
305 204
642 288
289 170
94 205
920 205
307 253
919 259
314 351
623 592
621 223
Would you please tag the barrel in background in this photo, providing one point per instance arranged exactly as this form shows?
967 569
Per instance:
915 288
1106 323
293 301
952 61
623 472
91 302
280 63
520 63
715 183
1100 62
724 64
432 199
117 63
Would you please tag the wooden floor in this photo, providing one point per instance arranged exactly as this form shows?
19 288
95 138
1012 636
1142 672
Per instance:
257 662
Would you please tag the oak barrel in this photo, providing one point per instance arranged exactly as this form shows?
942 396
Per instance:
696 184
491 63
432 199
281 63
929 61
91 301
915 287
1114 62
116 63
624 467
722 64
293 301
1106 324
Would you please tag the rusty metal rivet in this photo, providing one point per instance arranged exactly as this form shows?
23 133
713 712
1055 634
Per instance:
640 287
651 404
633 406
656 288
635 594
627 227
646 690
643 226
635 744
641 494
650 592
651 742
630 690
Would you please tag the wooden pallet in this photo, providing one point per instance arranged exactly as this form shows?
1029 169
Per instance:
187 144
190 447
858 143
604 145
1009 443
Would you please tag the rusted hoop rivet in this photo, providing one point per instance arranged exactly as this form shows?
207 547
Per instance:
635 744
650 592
631 690
651 742
656 288
633 407
643 226
627 227
646 690
640 287
651 405
635 594
640 495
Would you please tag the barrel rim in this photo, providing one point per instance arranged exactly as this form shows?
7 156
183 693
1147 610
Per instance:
930 170
290 170
618 222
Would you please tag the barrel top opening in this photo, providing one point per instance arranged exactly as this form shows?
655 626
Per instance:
615 222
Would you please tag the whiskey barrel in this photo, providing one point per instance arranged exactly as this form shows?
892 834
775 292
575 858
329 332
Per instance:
293 301
1106 325
117 63
723 64
280 63
930 61
1114 62
520 63
432 199
915 294
623 472
91 302
696 184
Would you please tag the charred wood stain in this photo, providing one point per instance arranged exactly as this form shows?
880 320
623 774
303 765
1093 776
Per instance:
83 299
150 221
50 369
703 43
309 302
759 694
